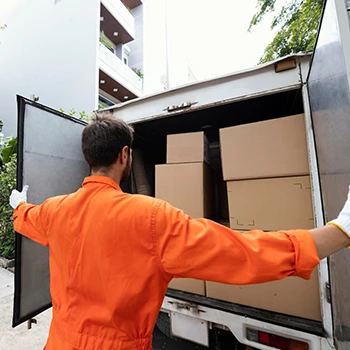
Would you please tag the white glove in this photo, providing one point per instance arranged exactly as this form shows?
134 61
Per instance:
18 197
343 220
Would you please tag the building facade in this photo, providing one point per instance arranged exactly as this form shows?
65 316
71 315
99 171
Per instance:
70 54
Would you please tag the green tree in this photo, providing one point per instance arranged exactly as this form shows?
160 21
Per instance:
296 26
7 184
82 115
8 150
105 41
8 169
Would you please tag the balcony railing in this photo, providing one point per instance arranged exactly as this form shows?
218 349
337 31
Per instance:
119 71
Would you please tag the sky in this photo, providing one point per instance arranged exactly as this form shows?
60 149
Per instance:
216 34
211 35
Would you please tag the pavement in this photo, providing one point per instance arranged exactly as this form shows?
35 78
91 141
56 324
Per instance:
20 338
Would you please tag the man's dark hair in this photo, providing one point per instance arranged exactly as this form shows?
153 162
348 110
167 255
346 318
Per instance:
103 139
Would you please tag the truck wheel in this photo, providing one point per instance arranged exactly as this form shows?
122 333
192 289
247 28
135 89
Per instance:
163 324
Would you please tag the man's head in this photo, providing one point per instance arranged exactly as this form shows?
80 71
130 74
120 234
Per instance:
106 143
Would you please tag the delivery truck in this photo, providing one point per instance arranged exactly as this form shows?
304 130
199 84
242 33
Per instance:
275 136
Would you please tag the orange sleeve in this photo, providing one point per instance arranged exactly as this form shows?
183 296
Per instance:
28 221
205 250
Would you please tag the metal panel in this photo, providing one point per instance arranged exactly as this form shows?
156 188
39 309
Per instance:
50 161
330 103
190 328
244 85
323 274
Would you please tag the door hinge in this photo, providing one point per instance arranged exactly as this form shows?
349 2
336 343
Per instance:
328 292
30 322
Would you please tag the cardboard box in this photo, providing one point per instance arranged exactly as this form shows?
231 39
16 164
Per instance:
272 148
187 148
186 186
225 223
223 200
190 188
188 285
291 296
271 204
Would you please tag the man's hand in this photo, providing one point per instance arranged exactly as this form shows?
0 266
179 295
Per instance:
343 220
335 235
18 197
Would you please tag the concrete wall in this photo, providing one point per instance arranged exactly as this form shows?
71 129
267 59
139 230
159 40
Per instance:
181 73
136 46
49 49
154 46
119 51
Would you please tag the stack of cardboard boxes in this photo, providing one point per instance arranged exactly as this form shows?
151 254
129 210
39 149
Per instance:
266 173
266 168
186 183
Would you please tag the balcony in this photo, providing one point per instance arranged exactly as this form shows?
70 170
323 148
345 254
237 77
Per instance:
117 22
132 3
119 80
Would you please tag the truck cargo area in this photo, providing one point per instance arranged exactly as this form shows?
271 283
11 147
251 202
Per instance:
151 139
150 136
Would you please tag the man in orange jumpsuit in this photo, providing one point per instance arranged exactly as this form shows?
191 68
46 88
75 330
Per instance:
113 254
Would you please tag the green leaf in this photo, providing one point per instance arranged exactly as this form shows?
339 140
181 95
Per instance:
296 23
105 41
7 184
264 7
138 72
9 150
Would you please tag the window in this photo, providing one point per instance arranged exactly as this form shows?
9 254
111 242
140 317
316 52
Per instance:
125 60
104 102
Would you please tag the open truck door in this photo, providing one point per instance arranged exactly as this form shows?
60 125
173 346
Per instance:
328 85
51 162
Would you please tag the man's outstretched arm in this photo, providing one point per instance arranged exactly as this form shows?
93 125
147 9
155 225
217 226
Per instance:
202 249
335 235
329 239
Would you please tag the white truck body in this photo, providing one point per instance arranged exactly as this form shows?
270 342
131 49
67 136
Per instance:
247 85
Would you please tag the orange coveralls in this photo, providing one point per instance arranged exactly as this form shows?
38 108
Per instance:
113 254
